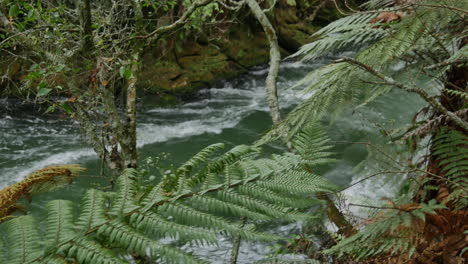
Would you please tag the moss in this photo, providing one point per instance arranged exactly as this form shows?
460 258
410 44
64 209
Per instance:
186 71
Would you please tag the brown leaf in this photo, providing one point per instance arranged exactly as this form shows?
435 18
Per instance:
386 17
409 207
443 193
72 99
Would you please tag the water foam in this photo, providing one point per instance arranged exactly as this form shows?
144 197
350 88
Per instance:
221 108
13 175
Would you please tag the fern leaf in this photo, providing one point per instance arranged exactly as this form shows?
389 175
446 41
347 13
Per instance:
59 221
87 251
23 240
122 235
268 195
189 216
199 158
125 201
274 211
93 212
155 224
298 182
214 205
156 195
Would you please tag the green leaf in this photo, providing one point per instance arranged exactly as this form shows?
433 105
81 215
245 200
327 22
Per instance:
43 92
66 107
291 2
50 108
125 72
14 11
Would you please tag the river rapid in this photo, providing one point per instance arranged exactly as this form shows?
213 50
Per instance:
232 112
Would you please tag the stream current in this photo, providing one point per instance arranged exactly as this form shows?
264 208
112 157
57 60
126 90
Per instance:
232 112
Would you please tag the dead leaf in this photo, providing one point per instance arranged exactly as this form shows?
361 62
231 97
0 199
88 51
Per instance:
386 17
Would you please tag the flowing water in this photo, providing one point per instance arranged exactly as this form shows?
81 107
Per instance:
233 112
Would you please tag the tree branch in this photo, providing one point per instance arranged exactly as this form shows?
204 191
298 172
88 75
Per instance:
275 57
179 23
390 81
442 6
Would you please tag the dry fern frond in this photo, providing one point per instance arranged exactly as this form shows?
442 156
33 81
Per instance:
39 181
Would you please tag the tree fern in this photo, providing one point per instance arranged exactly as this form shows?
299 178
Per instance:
450 149
93 211
423 37
394 231
23 238
39 181
196 203
59 222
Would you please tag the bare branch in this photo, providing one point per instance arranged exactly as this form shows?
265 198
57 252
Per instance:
390 81
275 57
443 6
179 23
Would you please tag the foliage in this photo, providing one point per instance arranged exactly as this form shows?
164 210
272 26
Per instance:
396 231
450 149
419 47
193 204
39 181
411 46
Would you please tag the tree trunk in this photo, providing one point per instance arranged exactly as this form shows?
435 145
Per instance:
130 152
275 57
84 9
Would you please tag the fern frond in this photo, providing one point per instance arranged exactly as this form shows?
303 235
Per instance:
125 198
225 207
133 219
87 251
399 42
23 240
376 4
93 211
39 181
59 221
422 36
253 204
153 223
298 182
189 216
268 195
120 234
449 147
218 165
312 144
199 158
461 94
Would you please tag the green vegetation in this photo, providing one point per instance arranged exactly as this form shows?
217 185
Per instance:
414 46
189 204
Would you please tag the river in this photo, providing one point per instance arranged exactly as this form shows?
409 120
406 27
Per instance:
232 112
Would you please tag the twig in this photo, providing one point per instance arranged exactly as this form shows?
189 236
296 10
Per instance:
373 207
373 175
445 63
442 6
179 23
389 80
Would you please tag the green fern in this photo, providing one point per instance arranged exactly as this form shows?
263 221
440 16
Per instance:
23 240
193 204
449 148
392 233
423 37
